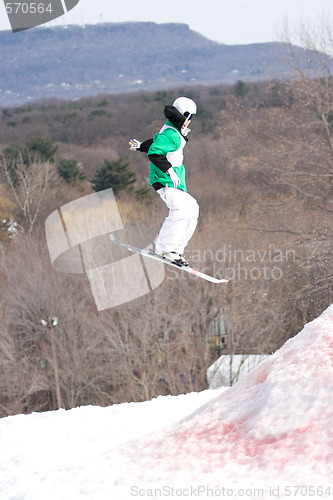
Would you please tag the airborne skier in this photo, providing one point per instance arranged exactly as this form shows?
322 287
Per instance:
167 177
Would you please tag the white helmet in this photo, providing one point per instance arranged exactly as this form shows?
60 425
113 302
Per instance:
185 105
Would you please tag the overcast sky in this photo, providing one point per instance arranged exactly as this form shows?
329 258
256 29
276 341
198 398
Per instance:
225 21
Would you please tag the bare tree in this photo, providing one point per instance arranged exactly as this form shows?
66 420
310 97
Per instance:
29 183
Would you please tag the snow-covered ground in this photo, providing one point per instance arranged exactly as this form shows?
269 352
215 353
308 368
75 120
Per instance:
268 436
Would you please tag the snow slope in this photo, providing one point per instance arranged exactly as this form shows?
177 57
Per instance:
268 436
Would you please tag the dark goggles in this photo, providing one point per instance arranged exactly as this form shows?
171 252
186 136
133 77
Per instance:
188 115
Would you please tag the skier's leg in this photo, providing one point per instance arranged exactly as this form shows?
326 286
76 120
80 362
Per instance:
167 240
181 222
193 218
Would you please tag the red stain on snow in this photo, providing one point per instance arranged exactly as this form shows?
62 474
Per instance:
242 429
232 441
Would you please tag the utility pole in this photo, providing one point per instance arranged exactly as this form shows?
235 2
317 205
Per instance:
51 323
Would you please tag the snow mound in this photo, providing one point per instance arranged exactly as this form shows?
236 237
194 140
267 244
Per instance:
270 433
275 424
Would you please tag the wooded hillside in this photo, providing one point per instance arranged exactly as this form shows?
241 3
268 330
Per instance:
259 162
78 61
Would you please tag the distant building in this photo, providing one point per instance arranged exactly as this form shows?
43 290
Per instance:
228 369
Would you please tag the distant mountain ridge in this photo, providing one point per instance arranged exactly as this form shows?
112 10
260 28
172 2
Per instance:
76 61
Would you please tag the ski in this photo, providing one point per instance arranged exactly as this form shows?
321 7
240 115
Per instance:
151 255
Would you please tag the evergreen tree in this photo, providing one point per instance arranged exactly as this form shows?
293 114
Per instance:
15 152
69 170
114 174
41 147
18 155
241 89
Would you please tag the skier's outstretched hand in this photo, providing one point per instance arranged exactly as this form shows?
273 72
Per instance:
134 144
174 177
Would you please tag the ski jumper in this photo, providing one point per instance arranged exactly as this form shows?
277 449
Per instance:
166 150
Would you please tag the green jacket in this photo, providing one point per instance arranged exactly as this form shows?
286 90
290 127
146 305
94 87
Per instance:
169 143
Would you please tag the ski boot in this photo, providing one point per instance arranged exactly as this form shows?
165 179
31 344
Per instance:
175 258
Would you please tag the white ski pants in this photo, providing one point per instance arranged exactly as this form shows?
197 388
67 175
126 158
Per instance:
179 226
